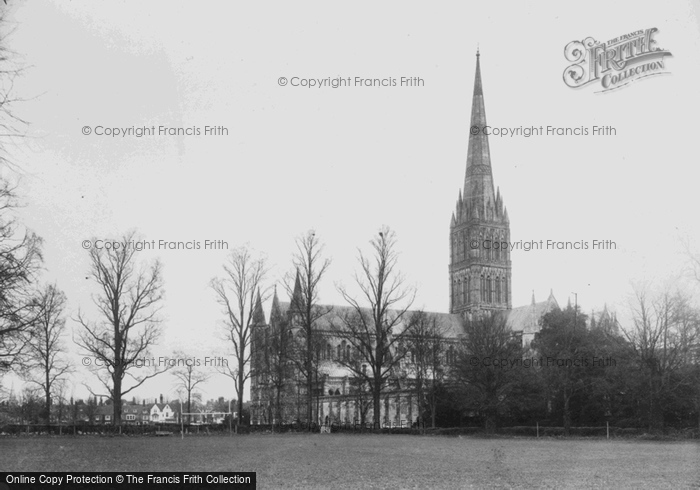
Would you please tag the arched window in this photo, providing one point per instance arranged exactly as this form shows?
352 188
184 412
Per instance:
451 355
339 352
329 352
465 291
489 290
460 290
482 289
505 290
347 352
498 290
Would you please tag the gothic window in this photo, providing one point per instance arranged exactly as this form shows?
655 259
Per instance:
340 353
482 289
465 290
497 249
505 289
347 352
498 290
328 352
489 289
460 289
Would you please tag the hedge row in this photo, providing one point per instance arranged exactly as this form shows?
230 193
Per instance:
525 431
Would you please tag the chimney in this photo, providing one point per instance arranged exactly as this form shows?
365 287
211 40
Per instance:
161 398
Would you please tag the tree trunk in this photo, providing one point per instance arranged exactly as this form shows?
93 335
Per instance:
117 399
278 408
241 381
377 404
47 409
420 385
567 413
309 384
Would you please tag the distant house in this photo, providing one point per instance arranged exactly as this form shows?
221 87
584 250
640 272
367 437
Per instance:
131 414
162 412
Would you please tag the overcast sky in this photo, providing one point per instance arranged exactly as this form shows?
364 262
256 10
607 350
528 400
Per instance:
346 161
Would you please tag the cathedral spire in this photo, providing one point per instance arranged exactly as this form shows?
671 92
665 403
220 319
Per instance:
478 181
477 79
479 281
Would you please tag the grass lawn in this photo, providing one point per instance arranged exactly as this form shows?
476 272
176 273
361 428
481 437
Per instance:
374 461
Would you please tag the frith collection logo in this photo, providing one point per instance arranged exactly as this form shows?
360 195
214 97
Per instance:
615 63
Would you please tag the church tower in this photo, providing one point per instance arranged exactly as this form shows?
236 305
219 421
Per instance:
480 266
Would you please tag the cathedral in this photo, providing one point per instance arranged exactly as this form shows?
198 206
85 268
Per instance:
479 280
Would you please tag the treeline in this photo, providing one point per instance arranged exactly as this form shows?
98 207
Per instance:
580 370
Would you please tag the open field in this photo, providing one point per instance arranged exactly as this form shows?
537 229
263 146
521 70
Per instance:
374 461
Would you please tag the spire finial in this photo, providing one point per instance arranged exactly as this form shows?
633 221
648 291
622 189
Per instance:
477 49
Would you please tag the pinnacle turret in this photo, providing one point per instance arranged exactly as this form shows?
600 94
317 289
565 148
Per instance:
258 313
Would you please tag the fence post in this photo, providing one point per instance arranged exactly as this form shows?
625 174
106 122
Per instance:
538 430
607 425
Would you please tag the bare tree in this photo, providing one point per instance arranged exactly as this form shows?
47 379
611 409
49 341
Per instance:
664 337
20 250
375 331
276 368
128 325
426 347
12 127
310 267
20 259
236 294
188 377
46 365
694 367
